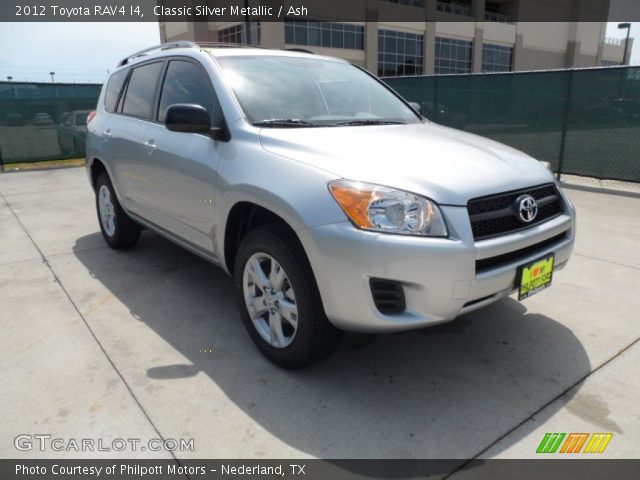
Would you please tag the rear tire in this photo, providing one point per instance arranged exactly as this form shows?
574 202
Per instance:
118 230
288 285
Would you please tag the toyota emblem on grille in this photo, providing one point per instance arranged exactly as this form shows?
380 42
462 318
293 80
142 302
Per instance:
527 208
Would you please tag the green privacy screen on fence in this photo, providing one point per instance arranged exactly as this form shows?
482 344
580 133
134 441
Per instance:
44 121
584 122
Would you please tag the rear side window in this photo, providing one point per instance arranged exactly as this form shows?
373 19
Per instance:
186 82
141 91
113 89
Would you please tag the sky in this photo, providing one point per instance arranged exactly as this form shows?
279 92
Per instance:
85 52
614 32
78 52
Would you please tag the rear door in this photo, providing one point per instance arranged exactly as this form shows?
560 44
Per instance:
126 134
181 189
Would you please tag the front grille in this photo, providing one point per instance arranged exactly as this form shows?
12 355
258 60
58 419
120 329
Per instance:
496 215
388 296
507 258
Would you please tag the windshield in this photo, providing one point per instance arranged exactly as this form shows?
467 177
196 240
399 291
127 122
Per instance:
283 91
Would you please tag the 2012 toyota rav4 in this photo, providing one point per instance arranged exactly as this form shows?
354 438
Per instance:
329 199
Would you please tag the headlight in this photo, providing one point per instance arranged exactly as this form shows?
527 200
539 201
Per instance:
383 209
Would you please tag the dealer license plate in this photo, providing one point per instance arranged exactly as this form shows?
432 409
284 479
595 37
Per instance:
535 276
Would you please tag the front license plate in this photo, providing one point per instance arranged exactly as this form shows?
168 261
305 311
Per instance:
535 276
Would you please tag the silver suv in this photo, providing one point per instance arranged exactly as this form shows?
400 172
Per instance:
330 200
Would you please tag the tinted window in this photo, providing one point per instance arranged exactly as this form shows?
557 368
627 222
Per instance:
140 94
113 89
185 82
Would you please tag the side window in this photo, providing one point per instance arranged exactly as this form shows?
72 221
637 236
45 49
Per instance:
113 89
185 82
141 91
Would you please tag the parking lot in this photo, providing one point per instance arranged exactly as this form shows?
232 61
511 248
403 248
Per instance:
149 343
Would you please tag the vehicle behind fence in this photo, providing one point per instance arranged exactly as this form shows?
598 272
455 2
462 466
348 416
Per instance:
584 122
44 121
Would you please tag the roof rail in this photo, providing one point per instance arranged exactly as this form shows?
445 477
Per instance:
183 44
162 46
226 45
300 50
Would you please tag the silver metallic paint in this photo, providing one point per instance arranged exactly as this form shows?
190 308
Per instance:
185 187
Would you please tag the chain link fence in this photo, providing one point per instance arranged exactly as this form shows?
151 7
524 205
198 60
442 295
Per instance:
583 122
44 121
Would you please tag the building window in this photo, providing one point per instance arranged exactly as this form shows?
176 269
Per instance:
460 7
497 58
493 13
498 17
324 34
399 53
453 56
411 3
237 34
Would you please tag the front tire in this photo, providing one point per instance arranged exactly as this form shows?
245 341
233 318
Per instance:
279 300
118 230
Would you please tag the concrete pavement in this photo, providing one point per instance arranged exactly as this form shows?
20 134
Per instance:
148 343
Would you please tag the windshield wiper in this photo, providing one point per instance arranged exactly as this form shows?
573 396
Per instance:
368 122
299 123
286 123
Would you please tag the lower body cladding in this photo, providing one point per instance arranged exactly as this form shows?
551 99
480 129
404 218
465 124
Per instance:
424 281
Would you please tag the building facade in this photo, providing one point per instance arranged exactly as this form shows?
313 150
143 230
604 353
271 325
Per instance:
464 36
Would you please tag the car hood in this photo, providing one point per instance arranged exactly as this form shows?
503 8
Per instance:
447 165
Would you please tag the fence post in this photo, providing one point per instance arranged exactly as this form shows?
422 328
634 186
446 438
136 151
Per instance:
565 121
436 110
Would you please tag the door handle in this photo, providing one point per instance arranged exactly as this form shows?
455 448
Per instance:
150 146
106 134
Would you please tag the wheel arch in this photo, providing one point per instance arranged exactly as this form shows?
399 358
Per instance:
244 216
96 167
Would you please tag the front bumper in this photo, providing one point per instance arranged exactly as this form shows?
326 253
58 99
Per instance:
438 275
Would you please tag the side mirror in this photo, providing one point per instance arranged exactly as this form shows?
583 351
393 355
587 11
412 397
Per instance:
193 118
187 118
415 106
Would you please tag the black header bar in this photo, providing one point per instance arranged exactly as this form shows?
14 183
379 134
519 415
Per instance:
323 10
